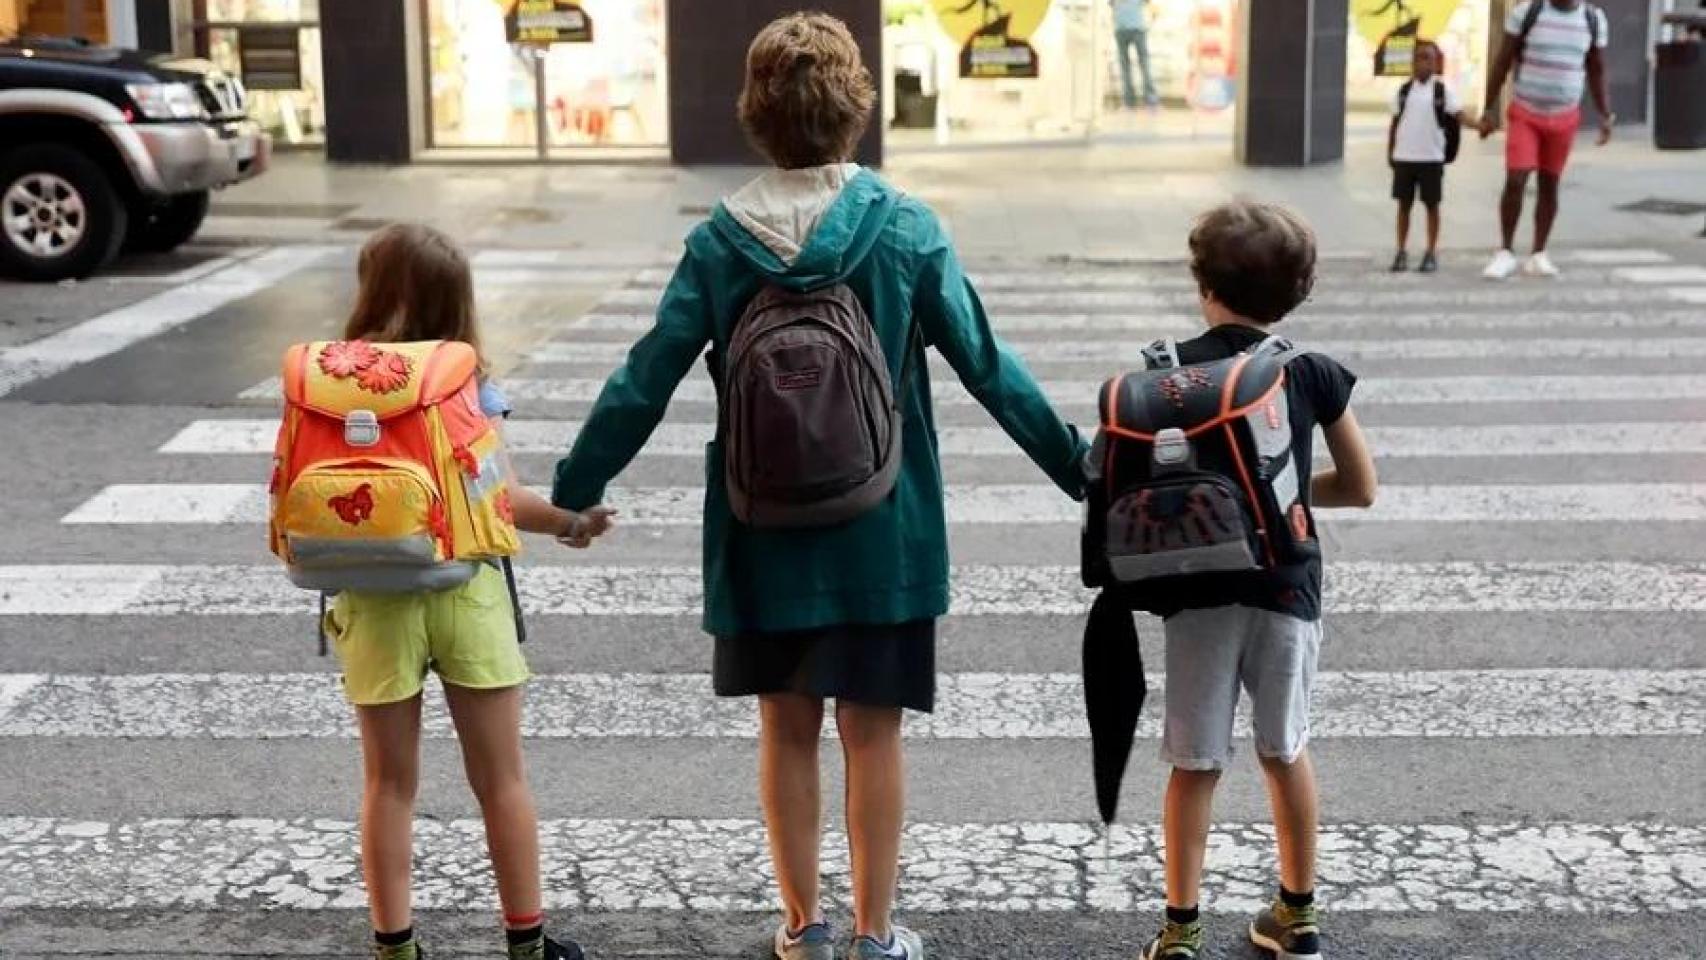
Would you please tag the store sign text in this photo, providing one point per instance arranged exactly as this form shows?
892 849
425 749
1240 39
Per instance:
548 21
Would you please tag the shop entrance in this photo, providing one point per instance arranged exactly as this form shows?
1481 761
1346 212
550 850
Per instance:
274 47
503 86
1180 56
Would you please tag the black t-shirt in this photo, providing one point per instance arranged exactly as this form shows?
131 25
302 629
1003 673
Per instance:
1318 390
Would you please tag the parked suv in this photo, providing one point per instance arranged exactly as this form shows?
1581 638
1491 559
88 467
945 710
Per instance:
104 149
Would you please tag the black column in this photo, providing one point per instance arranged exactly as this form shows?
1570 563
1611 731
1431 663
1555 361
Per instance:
707 61
371 66
1627 58
1291 82
154 28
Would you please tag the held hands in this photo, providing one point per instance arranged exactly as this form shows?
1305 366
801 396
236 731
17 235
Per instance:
1489 123
586 526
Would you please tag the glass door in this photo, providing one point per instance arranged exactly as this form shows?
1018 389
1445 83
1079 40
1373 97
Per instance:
509 100
274 47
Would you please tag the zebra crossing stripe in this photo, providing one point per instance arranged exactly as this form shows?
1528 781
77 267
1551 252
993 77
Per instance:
1678 273
1471 704
652 590
1616 256
983 504
1688 294
1304 327
633 259
248 436
1378 298
1127 355
722 865
111 332
1381 391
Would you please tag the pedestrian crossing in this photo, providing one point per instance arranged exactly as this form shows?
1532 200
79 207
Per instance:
1603 367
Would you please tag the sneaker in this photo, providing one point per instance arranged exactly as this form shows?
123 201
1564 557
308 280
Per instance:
1503 266
813 942
1289 933
403 951
1540 265
903 945
1430 264
1176 941
545 948
1401 262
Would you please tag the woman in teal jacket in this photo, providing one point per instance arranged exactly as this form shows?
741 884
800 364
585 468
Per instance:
847 611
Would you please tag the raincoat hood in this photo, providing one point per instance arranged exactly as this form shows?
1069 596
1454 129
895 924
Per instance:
807 228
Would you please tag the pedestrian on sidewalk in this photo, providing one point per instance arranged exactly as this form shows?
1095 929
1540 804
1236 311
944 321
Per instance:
1427 119
1259 629
1555 47
416 285
846 610
1131 37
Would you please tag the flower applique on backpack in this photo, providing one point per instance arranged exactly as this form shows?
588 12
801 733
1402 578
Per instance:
387 475
1195 472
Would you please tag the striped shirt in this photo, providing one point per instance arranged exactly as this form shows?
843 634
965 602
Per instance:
1552 69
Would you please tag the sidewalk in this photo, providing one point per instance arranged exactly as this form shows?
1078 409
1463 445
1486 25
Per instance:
1100 201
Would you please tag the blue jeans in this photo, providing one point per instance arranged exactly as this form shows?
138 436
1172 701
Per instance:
1124 42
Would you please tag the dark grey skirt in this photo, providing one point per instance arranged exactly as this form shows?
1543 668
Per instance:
884 665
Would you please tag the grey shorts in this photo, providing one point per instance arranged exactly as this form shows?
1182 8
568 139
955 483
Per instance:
1210 655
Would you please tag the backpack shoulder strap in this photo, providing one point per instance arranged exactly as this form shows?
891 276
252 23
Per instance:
1163 354
1531 18
1593 27
1282 350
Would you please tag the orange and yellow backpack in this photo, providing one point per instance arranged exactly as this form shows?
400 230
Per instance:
387 476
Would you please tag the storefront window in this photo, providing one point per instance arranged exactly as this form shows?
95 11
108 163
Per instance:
486 92
274 46
1458 26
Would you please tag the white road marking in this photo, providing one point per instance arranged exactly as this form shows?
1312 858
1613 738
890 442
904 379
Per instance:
1687 294
1471 704
1382 391
723 865
1303 327
1127 355
661 590
688 439
634 259
1616 256
114 331
1679 273
982 504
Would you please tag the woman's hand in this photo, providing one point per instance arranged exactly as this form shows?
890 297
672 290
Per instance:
586 526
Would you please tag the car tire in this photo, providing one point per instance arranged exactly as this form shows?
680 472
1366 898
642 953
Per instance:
60 217
164 227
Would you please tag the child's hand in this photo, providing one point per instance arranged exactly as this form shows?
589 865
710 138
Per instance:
587 526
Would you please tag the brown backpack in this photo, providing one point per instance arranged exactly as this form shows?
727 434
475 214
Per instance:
811 424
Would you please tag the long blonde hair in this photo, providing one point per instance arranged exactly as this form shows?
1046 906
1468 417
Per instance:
415 285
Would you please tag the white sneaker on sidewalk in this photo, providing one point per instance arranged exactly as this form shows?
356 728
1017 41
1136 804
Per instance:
1503 266
1541 265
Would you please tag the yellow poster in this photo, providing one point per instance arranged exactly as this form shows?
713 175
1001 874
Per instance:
995 35
1392 28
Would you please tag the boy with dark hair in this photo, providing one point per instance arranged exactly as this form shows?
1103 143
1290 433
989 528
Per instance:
1425 119
1254 264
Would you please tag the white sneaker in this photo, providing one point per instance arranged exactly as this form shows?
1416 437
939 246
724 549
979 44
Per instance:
1503 266
1541 265
903 945
814 942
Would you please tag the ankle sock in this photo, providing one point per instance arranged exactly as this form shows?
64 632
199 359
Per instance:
1296 900
522 936
396 939
1183 915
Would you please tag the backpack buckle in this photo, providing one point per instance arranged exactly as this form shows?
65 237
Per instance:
361 428
1171 448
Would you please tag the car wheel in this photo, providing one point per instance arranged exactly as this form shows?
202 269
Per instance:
60 217
167 226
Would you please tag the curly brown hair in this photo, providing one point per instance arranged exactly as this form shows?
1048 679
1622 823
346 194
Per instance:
1257 259
808 95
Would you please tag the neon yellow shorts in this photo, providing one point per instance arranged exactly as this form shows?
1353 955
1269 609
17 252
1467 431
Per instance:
387 642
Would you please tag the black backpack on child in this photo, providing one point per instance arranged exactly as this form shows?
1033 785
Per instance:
1194 472
1447 123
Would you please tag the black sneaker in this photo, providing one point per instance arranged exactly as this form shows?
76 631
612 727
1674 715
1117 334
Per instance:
1401 262
1430 264
545 948
1176 941
1289 933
